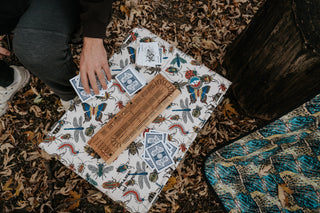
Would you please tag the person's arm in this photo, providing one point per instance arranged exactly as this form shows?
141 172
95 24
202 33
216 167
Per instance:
93 60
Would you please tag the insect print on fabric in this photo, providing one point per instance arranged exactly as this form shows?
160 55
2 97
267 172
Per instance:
90 180
71 167
106 96
196 112
96 111
178 60
100 170
130 182
174 117
196 129
195 88
75 103
123 168
81 168
153 70
129 38
58 126
119 105
142 175
78 129
222 87
134 194
134 147
207 78
153 177
173 71
216 97
132 53
68 146
91 152
186 111
179 85
151 196
90 130
179 127
146 39
117 85
65 136
112 184
160 119
182 147
49 139
123 64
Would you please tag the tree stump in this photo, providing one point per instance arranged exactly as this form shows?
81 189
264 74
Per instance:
274 64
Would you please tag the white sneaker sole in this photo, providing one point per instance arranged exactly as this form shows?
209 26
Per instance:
25 75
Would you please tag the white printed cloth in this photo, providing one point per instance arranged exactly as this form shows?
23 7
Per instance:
129 180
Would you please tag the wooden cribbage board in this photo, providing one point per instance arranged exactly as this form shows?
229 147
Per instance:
133 119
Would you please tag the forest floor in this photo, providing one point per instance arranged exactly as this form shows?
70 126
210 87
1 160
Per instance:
31 181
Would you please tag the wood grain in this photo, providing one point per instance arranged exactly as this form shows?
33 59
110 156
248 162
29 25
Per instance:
133 119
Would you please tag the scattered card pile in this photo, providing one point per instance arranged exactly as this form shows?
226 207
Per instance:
78 87
130 80
149 54
158 151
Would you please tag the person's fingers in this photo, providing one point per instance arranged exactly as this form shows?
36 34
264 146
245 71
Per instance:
93 82
102 80
107 71
85 82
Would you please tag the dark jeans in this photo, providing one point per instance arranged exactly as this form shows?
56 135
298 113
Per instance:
41 42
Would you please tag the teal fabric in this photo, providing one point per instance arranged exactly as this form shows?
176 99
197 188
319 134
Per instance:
274 169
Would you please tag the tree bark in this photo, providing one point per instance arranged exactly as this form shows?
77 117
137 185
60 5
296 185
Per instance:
274 65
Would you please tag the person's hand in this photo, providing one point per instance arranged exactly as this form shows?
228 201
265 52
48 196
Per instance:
3 51
93 62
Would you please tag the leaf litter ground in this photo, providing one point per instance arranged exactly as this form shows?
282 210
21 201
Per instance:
32 181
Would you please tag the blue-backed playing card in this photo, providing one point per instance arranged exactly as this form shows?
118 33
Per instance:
80 91
130 80
159 156
153 138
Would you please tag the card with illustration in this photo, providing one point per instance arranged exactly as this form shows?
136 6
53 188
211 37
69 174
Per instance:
149 54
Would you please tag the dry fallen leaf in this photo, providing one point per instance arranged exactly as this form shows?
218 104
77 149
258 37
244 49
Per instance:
125 10
228 110
6 186
171 182
74 200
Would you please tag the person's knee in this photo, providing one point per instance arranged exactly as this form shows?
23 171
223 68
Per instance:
34 48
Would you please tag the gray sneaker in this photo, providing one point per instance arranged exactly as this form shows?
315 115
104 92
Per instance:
21 78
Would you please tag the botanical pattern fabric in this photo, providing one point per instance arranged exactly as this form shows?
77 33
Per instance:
129 180
274 169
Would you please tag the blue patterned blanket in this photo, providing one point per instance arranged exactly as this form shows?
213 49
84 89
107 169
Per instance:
274 169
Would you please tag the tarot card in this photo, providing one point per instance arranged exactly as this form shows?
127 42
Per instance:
80 91
159 156
149 54
130 80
